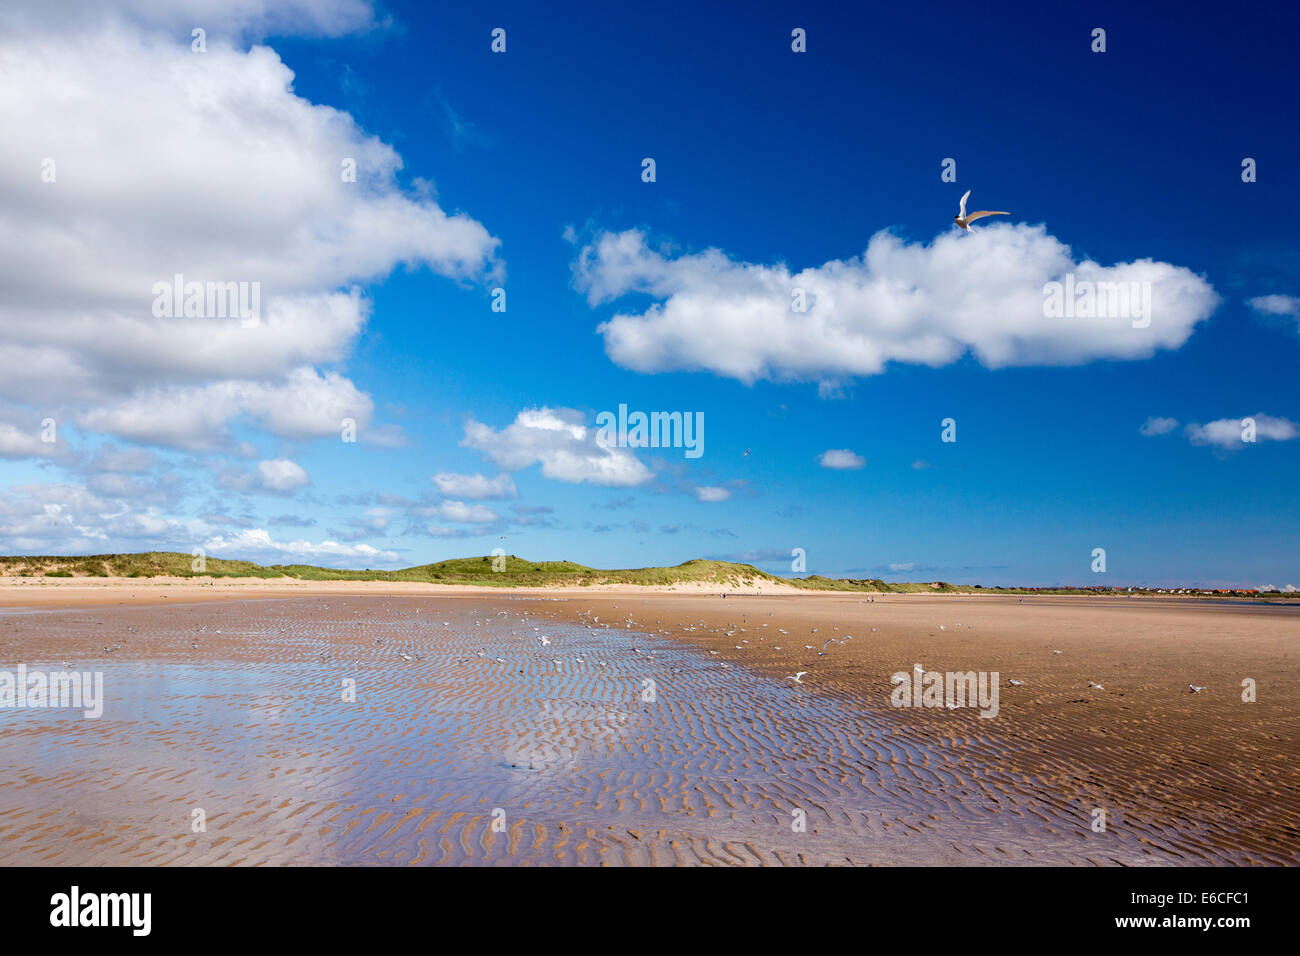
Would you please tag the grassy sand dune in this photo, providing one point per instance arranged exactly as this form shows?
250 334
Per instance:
519 572
523 573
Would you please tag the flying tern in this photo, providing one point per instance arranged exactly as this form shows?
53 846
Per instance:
964 220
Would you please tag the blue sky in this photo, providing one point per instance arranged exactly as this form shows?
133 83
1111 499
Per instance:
784 161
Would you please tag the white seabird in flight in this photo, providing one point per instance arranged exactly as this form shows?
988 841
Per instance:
964 220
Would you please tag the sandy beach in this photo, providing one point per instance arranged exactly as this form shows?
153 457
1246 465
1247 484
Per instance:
652 728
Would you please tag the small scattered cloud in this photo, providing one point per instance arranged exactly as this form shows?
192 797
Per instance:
1284 306
895 568
461 131
1233 433
374 523
614 504
758 556
289 521
460 512
281 475
1158 426
220 518
841 459
709 494
462 532
477 487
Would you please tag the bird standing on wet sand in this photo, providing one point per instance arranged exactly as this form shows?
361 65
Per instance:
964 220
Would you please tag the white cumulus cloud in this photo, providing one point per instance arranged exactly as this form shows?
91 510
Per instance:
129 159
255 544
900 301
559 440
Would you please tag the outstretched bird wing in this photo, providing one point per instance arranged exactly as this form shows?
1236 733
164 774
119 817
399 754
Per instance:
962 213
984 212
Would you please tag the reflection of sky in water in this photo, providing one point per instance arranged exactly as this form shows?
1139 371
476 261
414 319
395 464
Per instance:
456 732
501 731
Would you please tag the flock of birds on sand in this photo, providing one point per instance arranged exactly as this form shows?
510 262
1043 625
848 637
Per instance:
595 627
730 630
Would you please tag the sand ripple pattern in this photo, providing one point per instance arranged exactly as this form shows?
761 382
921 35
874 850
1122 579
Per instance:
470 742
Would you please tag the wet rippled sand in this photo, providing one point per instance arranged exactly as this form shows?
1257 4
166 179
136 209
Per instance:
235 708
